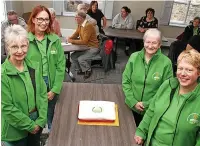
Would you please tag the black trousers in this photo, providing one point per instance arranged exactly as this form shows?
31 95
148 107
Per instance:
137 117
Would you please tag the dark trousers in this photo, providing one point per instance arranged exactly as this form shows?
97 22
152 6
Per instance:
137 117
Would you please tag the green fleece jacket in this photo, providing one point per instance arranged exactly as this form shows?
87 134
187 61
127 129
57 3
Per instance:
140 81
17 100
187 128
55 57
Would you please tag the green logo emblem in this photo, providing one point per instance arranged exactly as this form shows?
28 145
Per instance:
53 51
193 118
156 76
97 109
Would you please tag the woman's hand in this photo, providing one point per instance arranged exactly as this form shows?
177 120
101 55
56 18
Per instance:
50 95
36 129
138 140
139 106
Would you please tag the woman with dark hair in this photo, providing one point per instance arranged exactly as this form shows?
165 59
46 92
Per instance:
45 47
95 13
148 21
124 20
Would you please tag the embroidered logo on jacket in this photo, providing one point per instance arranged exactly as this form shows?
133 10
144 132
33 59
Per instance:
53 51
156 76
194 118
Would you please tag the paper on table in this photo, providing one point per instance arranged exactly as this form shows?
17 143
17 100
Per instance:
115 123
65 44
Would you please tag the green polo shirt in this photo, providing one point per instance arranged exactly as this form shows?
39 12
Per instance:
42 45
164 132
195 31
25 76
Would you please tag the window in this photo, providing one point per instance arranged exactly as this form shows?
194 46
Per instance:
69 7
183 11
3 10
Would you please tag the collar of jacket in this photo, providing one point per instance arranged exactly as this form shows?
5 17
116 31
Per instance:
174 83
52 37
155 56
9 68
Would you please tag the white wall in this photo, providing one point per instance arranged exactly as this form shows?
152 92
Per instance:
137 7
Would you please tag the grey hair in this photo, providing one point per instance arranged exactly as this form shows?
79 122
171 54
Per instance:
52 11
153 32
14 32
81 14
81 6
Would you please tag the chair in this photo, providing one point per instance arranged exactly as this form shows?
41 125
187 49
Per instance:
137 24
106 55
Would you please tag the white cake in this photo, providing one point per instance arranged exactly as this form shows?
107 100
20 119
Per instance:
96 110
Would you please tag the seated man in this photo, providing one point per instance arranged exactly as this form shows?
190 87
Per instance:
82 7
85 34
12 18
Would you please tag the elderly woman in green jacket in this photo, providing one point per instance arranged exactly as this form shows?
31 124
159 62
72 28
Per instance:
173 118
45 47
23 93
145 71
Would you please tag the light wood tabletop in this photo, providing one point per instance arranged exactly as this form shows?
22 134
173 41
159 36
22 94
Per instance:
131 34
66 131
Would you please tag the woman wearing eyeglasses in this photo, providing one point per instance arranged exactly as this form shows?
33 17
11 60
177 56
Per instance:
173 117
45 47
23 93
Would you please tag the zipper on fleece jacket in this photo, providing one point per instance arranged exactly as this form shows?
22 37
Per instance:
146 73
178 116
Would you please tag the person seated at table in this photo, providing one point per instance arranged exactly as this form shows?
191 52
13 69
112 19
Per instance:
23 93
82 7
145 71
55 23
85 34
148 21
173 116
192 29
124 20
95 13
45 47
12 18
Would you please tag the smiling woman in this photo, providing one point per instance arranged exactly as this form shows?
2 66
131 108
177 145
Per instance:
145 71
45 47
21 81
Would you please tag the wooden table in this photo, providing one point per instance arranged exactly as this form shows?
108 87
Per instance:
66 131
131 34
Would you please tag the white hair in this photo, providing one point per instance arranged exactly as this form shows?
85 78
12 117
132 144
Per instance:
153 32
52 11
81 6
15 33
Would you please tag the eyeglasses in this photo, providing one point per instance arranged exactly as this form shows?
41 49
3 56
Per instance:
16 48
40 20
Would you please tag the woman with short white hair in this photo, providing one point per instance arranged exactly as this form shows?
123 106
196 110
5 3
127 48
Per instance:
55 23
145 71
23 93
